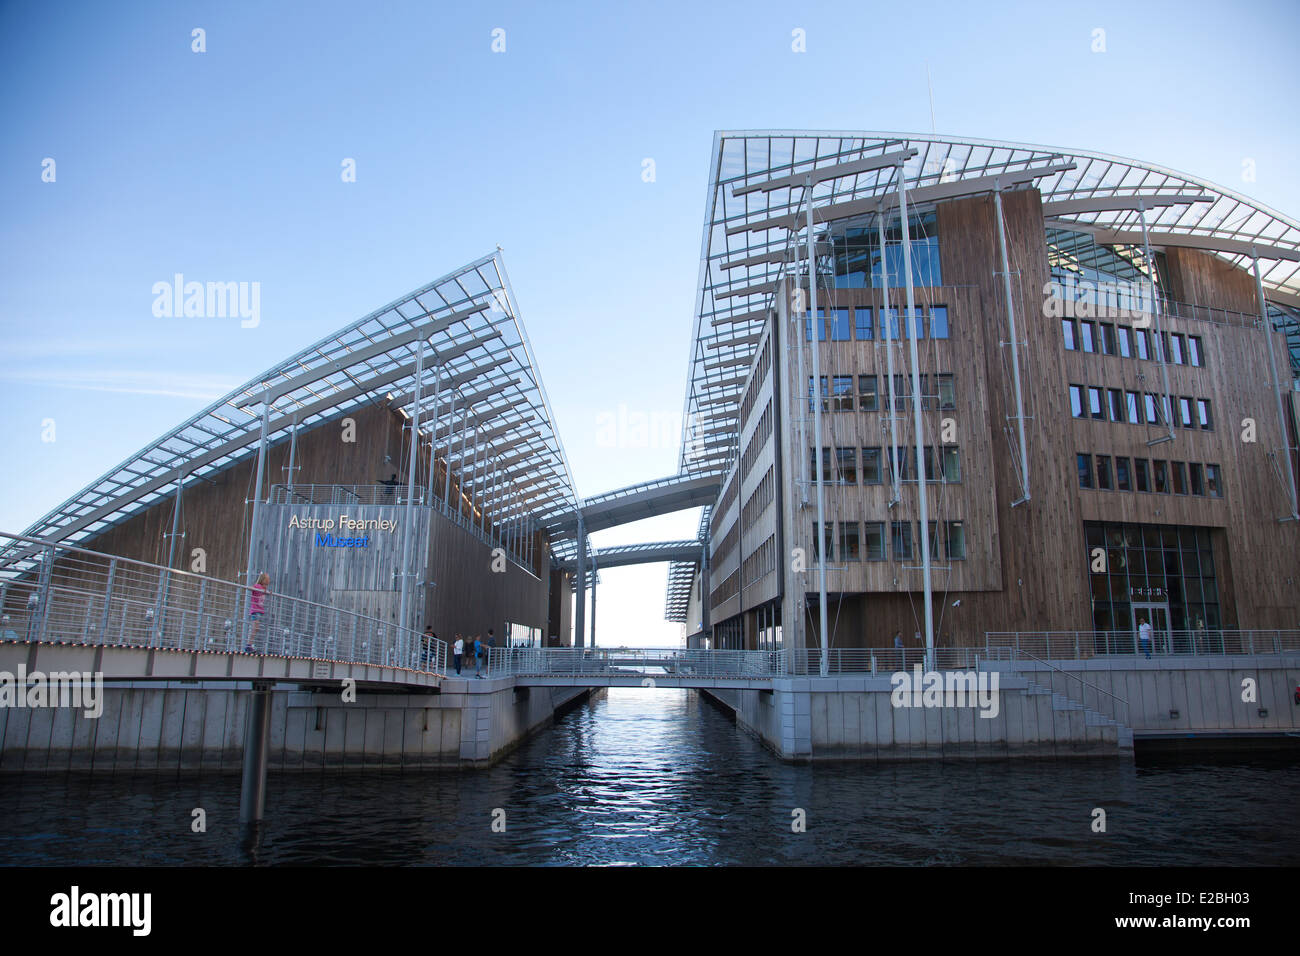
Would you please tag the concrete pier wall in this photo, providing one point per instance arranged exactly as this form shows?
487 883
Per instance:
1044 710
200 727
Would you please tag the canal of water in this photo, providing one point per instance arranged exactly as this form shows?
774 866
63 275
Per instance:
645 776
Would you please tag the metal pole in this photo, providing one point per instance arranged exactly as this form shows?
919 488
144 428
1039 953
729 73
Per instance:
257 732
817 438
580 611
922 489
593 601
257 496
1015 346
1277 389
176 517
894 493
460 462
1155 312
446 458
293 450
404 611
433 436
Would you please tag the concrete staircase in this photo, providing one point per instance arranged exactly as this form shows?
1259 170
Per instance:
1063 703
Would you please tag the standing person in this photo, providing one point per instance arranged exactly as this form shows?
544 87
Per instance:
902 651
478 656
257 607
458 651
426 642
1144 636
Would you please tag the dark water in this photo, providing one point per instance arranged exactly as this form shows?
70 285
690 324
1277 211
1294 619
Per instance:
656 777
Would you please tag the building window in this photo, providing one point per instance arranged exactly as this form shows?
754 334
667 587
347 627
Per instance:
871 466
919 316
955 534
827 541
808 325
1134 408
902 392
1107 338
826 464
1167 403
839 325
1125 342
1103 472
905 466
1214 481
846 460
1067 331
1152 414
1194 354
1140 477
1185 411
893 325
1161 469
927 455
1140 340
868 394
1076 401
862 323
826 401
842 390
1116 404
900 533
1094 402
1122 481
1087 336
1085 470
1180 478
934 537
1203 413
1176 348
874 540
1197 475
938 321
849 541
947 392
951 464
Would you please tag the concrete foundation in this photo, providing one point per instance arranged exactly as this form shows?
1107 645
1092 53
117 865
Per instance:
200 727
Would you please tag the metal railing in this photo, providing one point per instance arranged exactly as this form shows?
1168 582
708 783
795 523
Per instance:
55 593
378 494
1083 645
642 662
881 660
1119 707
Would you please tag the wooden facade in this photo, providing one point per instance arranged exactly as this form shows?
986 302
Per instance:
1026 565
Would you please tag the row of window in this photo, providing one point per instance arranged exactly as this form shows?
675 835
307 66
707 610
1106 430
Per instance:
862 328
866 541
1111 339
756 382
837 392
843 470
762 432
1137 408
1158 476
761 563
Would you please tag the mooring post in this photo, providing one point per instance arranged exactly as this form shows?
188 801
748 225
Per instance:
257 732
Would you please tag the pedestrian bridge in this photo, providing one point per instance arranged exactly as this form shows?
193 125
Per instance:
636 667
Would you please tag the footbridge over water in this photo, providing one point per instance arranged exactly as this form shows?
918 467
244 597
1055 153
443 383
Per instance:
647 499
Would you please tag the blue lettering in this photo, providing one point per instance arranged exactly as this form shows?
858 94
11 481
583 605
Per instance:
324 540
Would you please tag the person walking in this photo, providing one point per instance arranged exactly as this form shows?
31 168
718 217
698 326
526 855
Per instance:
458 651
478 656
426 644
1144 636
257 607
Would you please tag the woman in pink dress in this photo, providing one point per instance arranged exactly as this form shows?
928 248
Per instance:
257 606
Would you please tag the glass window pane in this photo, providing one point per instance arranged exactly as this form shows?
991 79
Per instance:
939 321
863 326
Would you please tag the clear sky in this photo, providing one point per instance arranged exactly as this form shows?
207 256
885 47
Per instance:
225 166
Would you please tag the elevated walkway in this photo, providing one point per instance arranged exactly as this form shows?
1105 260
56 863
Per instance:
648 499
648 552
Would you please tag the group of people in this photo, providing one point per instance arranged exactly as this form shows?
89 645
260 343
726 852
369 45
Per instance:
477 648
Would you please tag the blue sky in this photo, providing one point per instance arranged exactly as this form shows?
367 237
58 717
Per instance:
225 165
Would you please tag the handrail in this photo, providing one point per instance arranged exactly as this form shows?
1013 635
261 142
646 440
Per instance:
1076 677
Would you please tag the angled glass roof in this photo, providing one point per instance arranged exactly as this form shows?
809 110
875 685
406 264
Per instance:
749 232
478 354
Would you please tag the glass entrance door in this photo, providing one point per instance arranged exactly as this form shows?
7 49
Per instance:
1157 615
